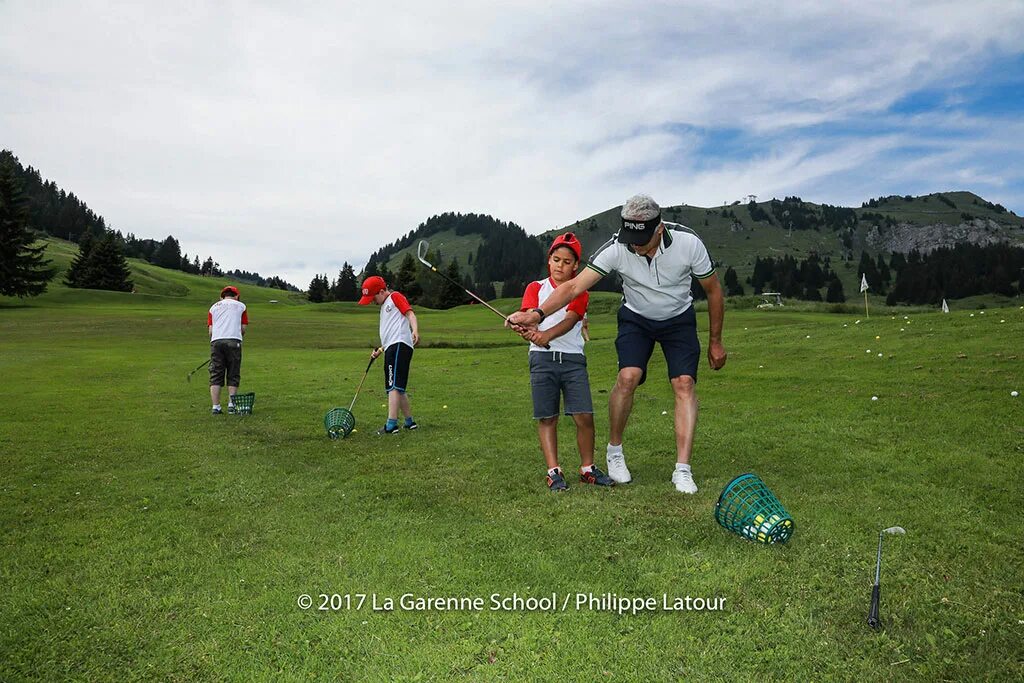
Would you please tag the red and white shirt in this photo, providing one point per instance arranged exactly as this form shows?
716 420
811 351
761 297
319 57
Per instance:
226 318
572 341
394 326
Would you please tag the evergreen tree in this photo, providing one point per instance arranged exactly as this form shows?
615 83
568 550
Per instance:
75 277
318 289
106 267
406 280
812 293
732 282
835 291
168 255
388 276
23 269
348 288
485 290
512 288
451 294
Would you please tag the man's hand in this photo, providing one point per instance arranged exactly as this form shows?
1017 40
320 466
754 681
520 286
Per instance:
524 319
716 355
376 352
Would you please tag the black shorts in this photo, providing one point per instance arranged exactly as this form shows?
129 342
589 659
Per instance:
225 362
397 358
554 375
677 336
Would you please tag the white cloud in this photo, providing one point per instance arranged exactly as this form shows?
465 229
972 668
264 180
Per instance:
288 140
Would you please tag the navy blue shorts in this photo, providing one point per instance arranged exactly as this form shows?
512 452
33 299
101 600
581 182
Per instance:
397 358
555 375
677 336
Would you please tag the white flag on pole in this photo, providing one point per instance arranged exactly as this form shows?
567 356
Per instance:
945 308
863 282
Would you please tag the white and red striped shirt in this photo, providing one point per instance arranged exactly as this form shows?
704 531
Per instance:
572 341
394 326
226 318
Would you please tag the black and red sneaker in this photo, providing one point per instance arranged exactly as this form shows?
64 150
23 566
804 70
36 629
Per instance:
556 482
596 477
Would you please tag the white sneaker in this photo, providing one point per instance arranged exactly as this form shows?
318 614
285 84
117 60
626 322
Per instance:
683 480
617 469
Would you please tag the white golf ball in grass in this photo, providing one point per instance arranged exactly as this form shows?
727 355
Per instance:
879 355
857 323
982 312
902 330
874 398
808 336
845 325
867 350
877 337
445 407
972 315
664 412
1014 393
1002 321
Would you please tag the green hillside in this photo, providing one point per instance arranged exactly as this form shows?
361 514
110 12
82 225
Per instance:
450 245
738 241
150 281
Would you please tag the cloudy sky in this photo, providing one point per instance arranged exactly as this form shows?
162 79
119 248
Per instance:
288 141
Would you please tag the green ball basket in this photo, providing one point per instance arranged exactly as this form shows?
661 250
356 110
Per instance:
339 422
243 403
749 509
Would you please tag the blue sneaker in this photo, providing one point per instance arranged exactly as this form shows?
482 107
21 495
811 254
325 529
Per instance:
412 425
384 430
596 477
556 482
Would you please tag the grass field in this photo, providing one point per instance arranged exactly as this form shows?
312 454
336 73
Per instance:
145 539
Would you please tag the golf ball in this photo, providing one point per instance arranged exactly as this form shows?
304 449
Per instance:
879 355
877 337
445 407
664 412
1014 394
874 398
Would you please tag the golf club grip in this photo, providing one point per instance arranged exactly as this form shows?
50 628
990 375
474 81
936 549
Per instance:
873 621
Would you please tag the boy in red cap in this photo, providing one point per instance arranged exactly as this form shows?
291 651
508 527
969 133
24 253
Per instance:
399 333
558 366
227 322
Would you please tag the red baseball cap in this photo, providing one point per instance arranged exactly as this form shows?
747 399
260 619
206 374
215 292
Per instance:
372 286
233 291
569 240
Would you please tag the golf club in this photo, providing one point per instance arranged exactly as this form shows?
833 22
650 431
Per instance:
201 366
360 385
873 620
421 254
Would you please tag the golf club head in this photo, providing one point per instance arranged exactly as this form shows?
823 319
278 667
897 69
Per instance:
421 253
894 530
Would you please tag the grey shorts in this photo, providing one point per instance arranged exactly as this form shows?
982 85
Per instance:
554 374
225 362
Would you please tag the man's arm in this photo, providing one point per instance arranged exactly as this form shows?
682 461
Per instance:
716 315
244 328
563 294
544 338
415 325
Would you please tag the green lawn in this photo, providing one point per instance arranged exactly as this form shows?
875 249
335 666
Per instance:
145 539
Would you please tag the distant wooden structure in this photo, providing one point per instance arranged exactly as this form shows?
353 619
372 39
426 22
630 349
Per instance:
770 300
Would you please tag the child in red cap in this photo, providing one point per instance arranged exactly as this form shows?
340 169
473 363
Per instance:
558 366
399 333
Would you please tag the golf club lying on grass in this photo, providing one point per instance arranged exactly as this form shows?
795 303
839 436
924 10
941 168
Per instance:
421 254
873 620
341 421
201 366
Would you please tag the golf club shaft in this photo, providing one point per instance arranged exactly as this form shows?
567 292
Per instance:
360 386
420 254
873 620
200 367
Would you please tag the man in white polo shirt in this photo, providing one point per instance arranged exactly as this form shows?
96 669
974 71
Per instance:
227 322
657 262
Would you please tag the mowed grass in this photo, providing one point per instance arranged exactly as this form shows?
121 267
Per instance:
145 539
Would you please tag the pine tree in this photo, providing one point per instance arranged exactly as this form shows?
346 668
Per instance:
75 277
106 267
452 294
318 289
835 291
23 269
168 255
406 280
348 288
732 282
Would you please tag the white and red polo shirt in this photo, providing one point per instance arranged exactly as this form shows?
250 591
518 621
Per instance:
226 318
572 341
394 327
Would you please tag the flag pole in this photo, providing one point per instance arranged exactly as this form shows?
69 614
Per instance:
866 314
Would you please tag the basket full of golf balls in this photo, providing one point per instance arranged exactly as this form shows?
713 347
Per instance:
748 508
